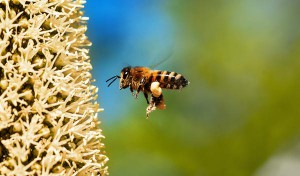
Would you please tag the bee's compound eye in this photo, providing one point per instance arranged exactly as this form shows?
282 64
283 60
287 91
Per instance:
125 75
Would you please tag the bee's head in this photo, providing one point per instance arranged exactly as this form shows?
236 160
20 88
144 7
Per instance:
125 77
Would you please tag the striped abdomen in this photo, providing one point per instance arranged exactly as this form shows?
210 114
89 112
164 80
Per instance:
168 80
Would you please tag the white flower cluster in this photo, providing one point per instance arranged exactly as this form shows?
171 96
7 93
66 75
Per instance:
48 114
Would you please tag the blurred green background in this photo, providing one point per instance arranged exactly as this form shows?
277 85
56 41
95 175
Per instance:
240 114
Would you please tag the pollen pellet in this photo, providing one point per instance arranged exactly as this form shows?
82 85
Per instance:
155 89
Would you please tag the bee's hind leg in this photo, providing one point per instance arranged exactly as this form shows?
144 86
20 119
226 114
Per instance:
155 102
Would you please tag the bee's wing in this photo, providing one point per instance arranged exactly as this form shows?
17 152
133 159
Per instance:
159 63
163 58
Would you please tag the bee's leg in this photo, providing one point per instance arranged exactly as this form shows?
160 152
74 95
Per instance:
131 90
151 107
139 87
146 96
138 91
155 102
159 102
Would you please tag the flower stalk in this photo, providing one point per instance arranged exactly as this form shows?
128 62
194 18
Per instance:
48 112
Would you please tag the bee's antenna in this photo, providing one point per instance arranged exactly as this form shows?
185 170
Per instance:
111 78
114 79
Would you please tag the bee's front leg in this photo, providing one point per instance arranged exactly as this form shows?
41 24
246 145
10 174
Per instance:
131 90
137 91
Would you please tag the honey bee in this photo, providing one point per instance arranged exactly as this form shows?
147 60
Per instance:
149 82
